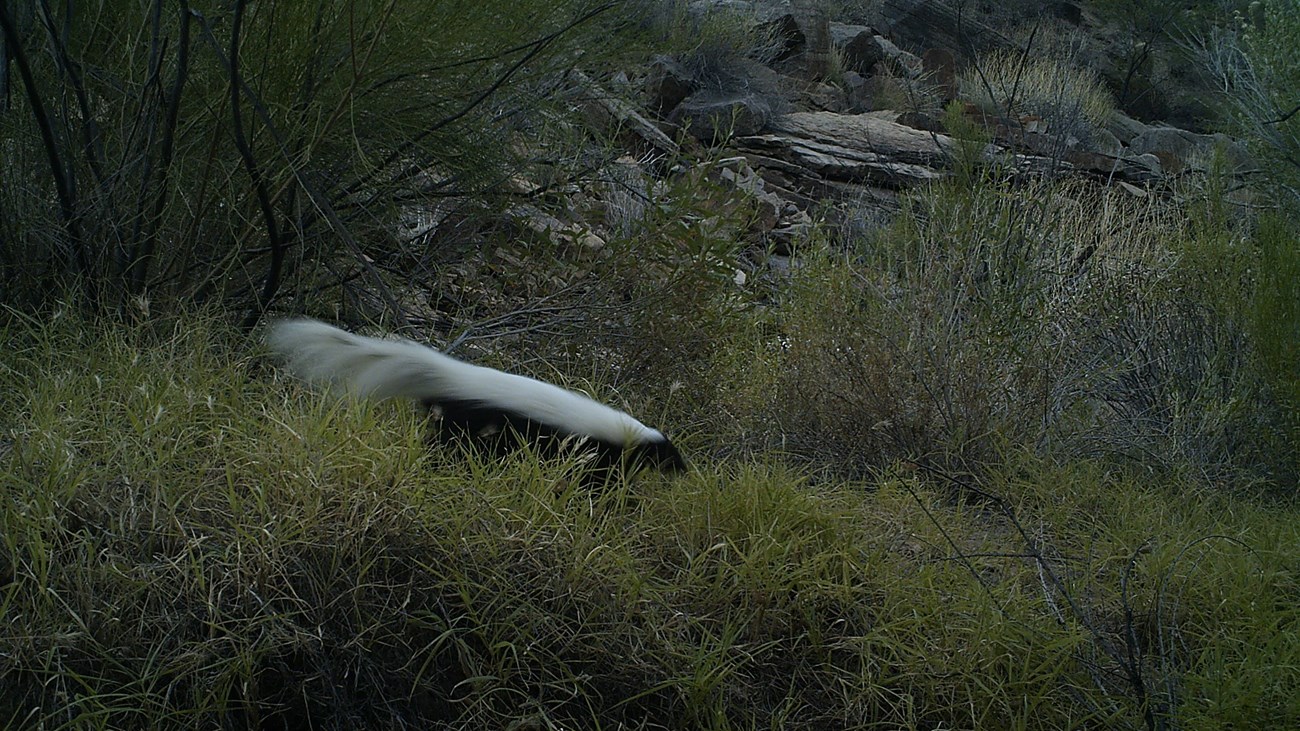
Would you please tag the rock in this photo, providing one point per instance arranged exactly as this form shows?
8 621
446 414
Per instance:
800 29
927 24
798 188
1150 162
716 117
919 120
1124 127
1040 143
1105 142
667 84
776 217
1133 190
1181 150
842 33
787 238
816 96
790 38
1036 166
780 264
607 112
544 224
1169 162
1166 139
1112 166
859 50
769 207
865 132
1238 155
855 147
857 97
907 63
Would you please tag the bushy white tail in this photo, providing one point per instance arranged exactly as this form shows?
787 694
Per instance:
403 369
370 366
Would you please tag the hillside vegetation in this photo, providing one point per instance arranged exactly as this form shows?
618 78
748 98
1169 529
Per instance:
1009 451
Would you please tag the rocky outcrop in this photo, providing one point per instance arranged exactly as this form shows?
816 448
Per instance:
789 142
1180 150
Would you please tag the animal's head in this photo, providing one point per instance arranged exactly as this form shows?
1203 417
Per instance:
659 454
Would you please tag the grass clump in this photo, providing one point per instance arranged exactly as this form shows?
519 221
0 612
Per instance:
1013 84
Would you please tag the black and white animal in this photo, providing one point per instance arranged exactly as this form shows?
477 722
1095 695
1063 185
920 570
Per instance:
475 402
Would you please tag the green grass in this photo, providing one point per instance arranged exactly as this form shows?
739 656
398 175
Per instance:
190 540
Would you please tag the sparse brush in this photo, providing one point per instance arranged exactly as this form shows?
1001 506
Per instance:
257 147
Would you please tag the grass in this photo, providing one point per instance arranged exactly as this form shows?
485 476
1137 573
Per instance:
190 540
1010 84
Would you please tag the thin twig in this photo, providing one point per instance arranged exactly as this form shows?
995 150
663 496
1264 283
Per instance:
64 184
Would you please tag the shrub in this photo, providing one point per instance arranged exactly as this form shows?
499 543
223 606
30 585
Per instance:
1274 316
1253 63
1064 319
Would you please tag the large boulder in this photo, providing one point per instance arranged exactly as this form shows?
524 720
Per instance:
923 24
1180 150
859 50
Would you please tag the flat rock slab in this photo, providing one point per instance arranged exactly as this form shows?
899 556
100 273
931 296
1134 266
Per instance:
853 147
868 132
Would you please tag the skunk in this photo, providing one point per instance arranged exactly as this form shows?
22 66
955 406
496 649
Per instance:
475 402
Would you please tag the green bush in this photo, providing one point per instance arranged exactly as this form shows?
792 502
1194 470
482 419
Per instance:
1253 63
1062 318
1275 318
